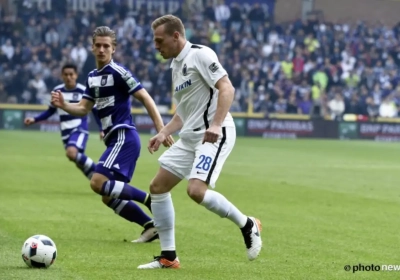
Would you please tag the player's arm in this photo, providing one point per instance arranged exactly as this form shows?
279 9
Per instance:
144 97
80 109
164 136
225 99
41 117
173 126
133 86
215 76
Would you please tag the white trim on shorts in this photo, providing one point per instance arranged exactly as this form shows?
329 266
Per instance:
115 150
80 139
171 170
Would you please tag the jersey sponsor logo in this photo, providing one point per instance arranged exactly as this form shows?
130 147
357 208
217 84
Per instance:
213 67
104 102
184 70
186 84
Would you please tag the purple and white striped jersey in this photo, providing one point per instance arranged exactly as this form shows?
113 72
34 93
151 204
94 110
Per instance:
68 123
110 89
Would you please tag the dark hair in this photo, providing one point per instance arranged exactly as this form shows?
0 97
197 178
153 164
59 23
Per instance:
70 66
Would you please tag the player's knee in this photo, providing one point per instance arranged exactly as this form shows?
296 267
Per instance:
156 187
105 199
196 190
71 153
96 184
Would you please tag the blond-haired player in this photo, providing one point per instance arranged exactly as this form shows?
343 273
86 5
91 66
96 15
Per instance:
204 95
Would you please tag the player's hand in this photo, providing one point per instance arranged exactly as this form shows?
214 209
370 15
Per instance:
29 121
101 135
169 141
212 134
155 142
57 99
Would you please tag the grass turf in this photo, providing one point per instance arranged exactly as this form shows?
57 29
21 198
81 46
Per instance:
323 205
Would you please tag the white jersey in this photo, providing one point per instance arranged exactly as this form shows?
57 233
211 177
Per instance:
195 71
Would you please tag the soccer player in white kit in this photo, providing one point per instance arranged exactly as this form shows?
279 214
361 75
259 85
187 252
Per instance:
204 95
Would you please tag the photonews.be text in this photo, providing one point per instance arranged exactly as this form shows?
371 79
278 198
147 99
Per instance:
372 267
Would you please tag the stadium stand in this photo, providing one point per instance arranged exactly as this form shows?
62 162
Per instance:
300 67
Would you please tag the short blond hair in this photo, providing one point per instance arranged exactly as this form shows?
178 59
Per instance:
171 24
105 31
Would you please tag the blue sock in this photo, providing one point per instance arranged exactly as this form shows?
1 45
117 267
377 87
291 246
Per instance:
121 190
129 211
85 164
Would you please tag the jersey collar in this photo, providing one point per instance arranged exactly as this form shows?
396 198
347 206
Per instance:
184 51
111 62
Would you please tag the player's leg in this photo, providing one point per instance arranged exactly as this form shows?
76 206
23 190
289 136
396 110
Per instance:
113 172
175 165
75 152
206 169
128 210
120 157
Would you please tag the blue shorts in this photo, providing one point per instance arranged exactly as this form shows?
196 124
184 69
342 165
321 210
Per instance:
77 139
118 162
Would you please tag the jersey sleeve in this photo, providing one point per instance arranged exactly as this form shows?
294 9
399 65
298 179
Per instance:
46 114
88 93
129 83
209 67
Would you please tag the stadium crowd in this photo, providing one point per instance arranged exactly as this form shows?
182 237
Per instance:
301 67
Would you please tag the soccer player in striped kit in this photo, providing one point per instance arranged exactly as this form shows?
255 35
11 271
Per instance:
110 87
74 130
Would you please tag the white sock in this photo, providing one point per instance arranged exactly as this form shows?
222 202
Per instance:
164 219
86 164
218 204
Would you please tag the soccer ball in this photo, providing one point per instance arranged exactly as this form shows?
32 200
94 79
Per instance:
39 251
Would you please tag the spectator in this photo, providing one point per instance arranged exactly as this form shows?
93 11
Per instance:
372 108
299 66
305 104
222 13
8 49
336 107
39 89
292 105
52 36
79 55
387 108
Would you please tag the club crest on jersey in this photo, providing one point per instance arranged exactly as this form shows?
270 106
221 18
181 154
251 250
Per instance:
103 80
184 70
75 96
186 84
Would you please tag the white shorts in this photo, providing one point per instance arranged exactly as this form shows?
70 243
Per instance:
194 160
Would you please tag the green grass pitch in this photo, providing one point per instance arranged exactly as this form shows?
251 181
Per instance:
323 205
